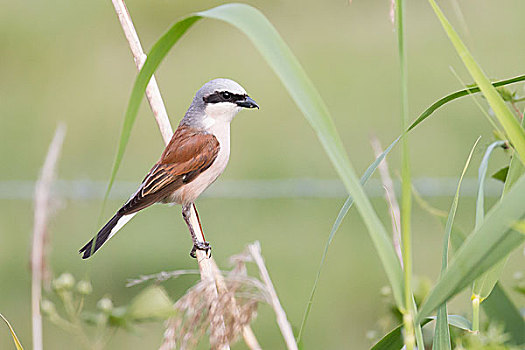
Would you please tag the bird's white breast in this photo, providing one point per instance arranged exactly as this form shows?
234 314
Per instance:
189 192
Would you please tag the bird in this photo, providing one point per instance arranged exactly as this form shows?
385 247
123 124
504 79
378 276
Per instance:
196 155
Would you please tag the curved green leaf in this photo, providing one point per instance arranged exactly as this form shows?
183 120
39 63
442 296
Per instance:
441 333
497 306
394 339
484 284
500 309
160 49
280 58
342 213
513 129
349 201
458 94
484 247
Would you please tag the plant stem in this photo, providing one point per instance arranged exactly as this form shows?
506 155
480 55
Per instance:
406 199
152 90
475 313
282 320
207 265
390 197
42 209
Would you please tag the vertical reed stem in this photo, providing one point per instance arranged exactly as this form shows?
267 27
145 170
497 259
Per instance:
406 188
42 206
207 266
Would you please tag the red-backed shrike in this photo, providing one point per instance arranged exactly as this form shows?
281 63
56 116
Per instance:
196 155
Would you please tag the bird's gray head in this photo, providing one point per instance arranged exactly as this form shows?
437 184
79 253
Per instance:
218 100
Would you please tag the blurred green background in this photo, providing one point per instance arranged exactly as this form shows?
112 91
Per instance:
68 61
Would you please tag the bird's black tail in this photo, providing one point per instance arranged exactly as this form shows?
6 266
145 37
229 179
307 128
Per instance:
102 236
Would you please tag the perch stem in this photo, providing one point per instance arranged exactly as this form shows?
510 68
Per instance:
207 266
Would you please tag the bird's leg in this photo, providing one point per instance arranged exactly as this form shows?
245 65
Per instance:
186 214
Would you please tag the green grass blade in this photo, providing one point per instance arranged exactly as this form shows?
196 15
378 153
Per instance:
280 58
459 322
483 285
513 129
422 117
501 309
487 245
393 340
442 334
159 51
482 174
349 201
342 213
458 94
18 345
497 306
406 198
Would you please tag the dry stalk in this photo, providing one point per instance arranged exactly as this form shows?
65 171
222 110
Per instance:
390 196
282 320
152 90
197 312
207 266
41 218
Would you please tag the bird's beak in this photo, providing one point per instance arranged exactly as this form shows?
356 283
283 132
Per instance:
247 102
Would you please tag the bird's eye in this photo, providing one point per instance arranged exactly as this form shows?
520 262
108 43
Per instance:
226 95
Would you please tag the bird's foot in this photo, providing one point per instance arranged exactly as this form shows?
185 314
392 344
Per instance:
201 246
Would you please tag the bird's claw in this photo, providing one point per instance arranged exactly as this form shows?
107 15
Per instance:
201 246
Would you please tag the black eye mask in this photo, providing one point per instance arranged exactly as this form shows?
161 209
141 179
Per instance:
223 96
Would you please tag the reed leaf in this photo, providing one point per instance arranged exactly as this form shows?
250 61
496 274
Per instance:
442 334
511 126
483 285
458 94
335 227
500 309
484 247
393 340
277 54
497 306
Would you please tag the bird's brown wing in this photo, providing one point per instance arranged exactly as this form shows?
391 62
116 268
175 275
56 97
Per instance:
189 153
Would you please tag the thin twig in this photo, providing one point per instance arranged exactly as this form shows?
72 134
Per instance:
160 277
390 196
207 265
41 217
152 90
282 320
250 339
